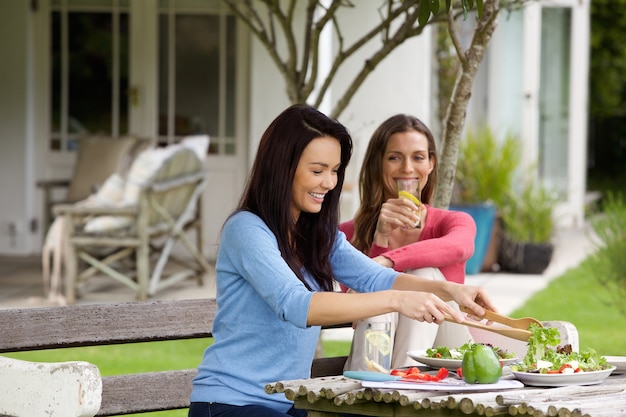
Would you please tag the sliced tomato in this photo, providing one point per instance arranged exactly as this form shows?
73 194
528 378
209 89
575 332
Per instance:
564 367
414 370
442 374
419 377
414 374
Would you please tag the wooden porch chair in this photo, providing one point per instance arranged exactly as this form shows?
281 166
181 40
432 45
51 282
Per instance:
133 241
97 158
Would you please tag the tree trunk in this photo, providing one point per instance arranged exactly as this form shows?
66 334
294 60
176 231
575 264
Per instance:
457 106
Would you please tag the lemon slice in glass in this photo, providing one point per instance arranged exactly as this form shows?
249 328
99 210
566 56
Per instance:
380 340
409 196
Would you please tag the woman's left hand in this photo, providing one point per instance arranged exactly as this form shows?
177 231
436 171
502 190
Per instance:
473 297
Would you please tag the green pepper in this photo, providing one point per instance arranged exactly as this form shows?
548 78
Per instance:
481 365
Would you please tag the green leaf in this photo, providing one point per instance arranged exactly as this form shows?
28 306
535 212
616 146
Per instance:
479 7
448 5
424 13
465 5
434 6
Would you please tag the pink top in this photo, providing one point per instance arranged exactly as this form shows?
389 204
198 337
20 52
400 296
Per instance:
446 242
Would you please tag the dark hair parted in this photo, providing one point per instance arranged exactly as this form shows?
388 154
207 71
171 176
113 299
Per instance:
308 242
371 183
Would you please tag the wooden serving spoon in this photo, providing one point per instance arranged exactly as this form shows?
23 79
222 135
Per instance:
521 323
511 332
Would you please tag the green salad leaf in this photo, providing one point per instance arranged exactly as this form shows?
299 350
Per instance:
540 340
543 346
443 352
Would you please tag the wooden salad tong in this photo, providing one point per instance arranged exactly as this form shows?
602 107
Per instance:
517 328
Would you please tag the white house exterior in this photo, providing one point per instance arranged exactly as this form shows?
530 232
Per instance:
517 89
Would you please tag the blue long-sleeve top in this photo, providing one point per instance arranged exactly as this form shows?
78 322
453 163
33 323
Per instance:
260 330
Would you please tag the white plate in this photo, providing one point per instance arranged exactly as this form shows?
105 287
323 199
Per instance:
619 362
448 384
449 364
563 380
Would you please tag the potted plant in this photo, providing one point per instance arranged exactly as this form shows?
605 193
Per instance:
528 227
484 177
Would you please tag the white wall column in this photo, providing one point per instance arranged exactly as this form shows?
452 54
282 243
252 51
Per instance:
144 80
579 111
531 80
16 136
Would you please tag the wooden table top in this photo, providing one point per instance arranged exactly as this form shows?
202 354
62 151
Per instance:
333 395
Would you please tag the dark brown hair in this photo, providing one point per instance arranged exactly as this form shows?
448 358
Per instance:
308 242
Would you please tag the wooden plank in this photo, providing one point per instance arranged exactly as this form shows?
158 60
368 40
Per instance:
167 390
104 324
152 391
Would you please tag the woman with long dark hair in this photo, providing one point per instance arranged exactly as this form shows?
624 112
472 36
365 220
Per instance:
278 256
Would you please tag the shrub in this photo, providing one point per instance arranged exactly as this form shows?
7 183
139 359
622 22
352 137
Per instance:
485 167
608 263
527 217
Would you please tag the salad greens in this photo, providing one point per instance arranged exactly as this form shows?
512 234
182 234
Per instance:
546 356
443 352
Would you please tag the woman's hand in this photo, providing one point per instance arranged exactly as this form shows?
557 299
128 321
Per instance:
394 213
473 297
426 307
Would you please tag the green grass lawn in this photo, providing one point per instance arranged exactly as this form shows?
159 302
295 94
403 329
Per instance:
575 297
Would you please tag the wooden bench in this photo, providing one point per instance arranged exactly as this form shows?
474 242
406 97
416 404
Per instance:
69 389
76 389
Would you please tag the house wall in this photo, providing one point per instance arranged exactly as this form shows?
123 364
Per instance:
16 134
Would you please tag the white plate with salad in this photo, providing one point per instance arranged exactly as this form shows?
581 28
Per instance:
547 364
563 380
452 358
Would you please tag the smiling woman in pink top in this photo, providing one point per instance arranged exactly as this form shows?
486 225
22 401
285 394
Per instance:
402 147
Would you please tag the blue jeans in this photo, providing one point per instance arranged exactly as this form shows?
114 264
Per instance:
227 410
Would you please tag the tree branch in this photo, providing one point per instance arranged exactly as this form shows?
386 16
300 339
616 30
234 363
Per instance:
456 111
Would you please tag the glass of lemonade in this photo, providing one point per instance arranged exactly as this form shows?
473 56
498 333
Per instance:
410 189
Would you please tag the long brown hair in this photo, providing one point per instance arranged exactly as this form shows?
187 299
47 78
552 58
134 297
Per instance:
308 242
371 186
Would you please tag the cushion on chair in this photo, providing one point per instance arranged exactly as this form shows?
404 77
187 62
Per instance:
109 194
143 169
98 157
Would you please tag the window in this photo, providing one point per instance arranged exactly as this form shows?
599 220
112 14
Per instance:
91 84
89 70
197 76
